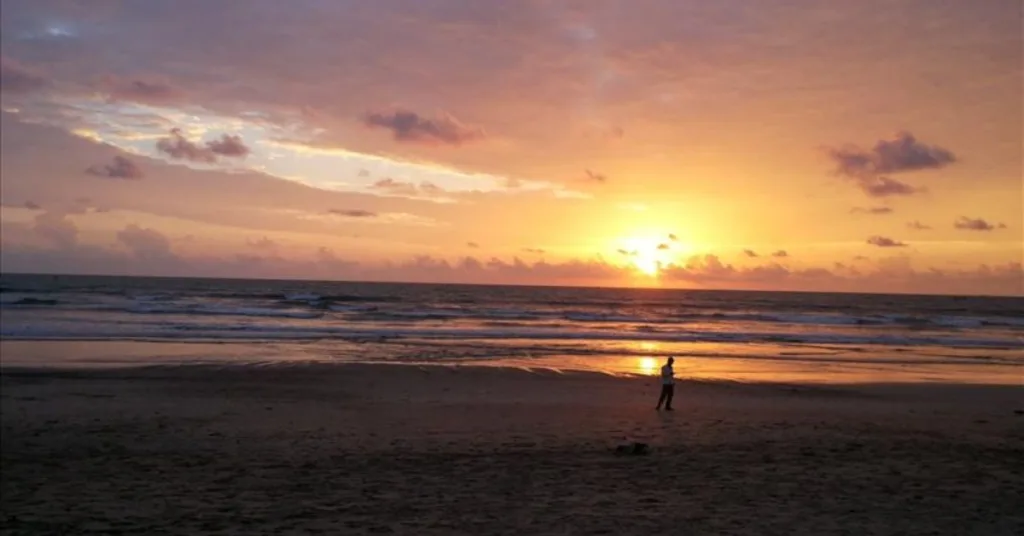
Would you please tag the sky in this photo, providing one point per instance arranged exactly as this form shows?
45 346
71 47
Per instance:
869 146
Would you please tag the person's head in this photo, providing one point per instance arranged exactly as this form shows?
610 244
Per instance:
671 360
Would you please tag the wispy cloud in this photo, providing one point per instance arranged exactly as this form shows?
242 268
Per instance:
352 213
976 224
263 243
885 242
878 211
407 126
156 92
16 77
594 176
917 226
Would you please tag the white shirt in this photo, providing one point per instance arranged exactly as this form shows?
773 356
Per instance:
667 375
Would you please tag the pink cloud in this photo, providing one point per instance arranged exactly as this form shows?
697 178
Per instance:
145 243
18 78
141 90
150 253
56 228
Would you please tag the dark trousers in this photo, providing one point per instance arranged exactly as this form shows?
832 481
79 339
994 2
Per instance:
666 396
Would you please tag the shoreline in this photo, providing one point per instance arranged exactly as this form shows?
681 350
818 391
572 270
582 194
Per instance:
808 366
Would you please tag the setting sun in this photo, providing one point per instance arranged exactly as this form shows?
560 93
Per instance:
650 254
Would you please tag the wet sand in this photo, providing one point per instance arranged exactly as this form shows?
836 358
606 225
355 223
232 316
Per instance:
372 449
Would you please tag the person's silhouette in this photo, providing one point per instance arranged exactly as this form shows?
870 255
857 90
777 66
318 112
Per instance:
668 387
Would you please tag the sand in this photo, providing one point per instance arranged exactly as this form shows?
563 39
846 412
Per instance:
379 449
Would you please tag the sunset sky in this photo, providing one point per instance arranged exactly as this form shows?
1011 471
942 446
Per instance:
870 145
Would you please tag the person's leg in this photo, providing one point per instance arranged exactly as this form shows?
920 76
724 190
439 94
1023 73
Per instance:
662 396
670 391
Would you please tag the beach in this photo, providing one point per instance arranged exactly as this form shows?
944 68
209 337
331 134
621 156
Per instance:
309 448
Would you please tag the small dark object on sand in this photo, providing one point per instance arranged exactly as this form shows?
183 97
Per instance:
633 449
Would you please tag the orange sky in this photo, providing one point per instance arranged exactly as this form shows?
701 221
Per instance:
781 144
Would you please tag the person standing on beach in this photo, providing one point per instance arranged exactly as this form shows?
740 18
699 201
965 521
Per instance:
668 386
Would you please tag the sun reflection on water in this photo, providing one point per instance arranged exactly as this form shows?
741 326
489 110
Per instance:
647 365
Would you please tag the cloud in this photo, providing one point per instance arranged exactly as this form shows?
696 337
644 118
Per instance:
535 251
32 205
472 245
871 210
407 189
626 252
976 224
673 237
121 168
594 176
917 226
663 246
869 168
263 243
410 127
885 242
352 213
145 243
780 253
18 78
228 145
149 253
178 147
885 187
750 253
56 228
901 154
153 92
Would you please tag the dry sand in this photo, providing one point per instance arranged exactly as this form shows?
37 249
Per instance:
315 449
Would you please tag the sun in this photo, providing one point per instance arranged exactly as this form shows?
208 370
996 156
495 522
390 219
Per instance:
650 254
647 265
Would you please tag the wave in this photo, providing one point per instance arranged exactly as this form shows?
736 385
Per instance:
350 308
227 331
227 311
33 302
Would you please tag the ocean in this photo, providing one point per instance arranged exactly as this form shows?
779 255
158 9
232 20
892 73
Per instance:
51 321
